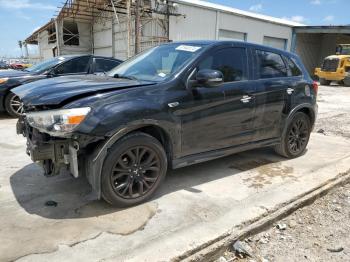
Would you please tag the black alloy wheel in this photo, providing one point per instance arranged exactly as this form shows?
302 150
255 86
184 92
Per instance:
296 137
133 169
135 172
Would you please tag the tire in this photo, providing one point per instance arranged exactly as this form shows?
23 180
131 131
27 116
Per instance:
123 184
13 105
346 81
324 82
296 137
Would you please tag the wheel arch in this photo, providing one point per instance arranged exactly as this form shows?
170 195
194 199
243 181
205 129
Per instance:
308 109
93 169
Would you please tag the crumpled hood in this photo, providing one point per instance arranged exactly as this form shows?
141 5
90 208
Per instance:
13 73
54 91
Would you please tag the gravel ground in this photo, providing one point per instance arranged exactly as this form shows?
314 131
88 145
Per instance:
320 231
333 111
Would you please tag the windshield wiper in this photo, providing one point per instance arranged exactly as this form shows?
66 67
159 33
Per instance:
125 77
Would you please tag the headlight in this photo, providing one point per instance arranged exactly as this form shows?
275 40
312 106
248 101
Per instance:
57 121
3 80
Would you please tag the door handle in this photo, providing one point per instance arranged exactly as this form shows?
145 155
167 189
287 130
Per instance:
173 104
246 99
290 91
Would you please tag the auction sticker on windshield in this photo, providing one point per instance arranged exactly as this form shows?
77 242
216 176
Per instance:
188 48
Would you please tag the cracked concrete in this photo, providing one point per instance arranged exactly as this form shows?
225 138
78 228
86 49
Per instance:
195 206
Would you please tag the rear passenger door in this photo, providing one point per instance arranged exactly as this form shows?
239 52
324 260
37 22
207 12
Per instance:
271 93
298 90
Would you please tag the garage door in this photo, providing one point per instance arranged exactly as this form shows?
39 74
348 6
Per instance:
232 35
275 42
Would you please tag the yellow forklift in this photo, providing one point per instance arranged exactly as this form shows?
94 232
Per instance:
336 67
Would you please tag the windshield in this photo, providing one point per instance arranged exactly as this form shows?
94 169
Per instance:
158 63
343 50
44 66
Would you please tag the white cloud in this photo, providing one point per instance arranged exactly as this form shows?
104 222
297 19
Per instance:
295 18
25 4
328 18
315 2
256 8
36 28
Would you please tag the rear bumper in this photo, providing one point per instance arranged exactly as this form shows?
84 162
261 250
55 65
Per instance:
339 75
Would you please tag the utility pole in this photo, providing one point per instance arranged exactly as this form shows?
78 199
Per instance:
137 27
128 21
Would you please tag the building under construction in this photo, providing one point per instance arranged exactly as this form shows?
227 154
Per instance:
99 26
119 28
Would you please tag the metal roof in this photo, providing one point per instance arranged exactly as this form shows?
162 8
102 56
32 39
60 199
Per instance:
325 29
239 12
33 38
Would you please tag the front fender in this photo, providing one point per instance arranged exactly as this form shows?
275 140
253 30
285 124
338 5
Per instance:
115 121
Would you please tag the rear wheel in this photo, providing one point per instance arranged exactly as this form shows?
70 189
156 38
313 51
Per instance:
13 105
296 137
133 170
324 82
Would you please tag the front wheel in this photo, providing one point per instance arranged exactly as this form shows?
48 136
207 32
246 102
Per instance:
133 170
14 105
296 137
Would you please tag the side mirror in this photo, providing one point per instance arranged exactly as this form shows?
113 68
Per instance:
209 77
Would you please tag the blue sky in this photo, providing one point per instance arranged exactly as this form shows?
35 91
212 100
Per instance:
19 18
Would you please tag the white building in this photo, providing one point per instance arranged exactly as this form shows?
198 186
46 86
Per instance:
205 20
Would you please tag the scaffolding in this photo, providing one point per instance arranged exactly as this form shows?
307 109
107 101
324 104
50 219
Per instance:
135 25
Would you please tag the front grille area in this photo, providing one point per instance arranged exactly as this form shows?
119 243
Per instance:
330 65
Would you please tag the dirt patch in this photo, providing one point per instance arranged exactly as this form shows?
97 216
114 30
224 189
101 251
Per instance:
266 169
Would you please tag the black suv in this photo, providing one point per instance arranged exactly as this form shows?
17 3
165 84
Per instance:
58 66
174 105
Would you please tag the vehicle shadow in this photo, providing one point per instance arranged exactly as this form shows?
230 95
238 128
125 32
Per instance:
32 190
3 115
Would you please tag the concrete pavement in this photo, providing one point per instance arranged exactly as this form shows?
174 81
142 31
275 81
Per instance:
195 205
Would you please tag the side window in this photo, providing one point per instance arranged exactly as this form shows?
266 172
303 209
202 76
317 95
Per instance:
270 65
74 66
104 65
232 62
294 69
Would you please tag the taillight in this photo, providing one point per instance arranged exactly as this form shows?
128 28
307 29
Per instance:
315 87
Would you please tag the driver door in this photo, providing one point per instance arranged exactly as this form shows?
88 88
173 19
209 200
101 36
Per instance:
220 117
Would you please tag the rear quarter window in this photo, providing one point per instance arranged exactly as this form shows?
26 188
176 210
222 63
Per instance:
293 67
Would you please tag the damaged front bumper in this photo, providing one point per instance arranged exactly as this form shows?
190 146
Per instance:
54 154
